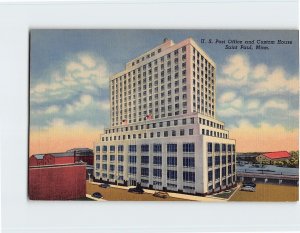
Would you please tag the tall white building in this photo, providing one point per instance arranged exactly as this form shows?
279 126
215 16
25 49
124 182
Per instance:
163 132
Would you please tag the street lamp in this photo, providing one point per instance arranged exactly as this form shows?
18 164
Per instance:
89 177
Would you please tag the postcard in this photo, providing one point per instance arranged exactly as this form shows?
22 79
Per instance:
164 115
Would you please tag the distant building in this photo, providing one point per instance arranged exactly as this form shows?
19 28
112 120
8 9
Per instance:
273 156
57 182
71 156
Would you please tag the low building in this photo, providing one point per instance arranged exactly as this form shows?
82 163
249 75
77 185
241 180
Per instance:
57 182
273 156
71 156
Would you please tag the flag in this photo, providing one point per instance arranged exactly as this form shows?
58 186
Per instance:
124 122
148 117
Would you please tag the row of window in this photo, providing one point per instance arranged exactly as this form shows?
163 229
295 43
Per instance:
172 133
168 56
216 147
231 170
171 147
224 182
218 159
167 124
171 174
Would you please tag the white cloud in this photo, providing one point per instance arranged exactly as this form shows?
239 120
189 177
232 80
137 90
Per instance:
260 71
237 67
253 104
84 72
277 82
227 96
228 112
237 103
84 101
276 104
49 110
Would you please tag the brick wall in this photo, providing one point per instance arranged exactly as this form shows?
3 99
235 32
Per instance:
57 182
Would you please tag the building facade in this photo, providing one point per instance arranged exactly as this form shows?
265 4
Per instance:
57 182
163 132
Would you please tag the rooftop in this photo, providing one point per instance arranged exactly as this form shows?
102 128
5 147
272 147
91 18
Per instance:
277 155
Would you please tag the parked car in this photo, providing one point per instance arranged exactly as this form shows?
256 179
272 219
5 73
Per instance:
97 195
103 185
248 188
161 194
137 189
251 184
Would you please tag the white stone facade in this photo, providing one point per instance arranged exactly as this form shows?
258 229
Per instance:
163 98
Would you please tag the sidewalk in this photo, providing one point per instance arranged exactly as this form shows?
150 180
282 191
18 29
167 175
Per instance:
175 195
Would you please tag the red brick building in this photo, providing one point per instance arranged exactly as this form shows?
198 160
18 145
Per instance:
71 156
59 176
57 182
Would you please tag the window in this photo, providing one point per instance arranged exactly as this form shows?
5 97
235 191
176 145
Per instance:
229 158
157 160
188 147
112 148
120 168
191 131
120 148
184 121
217 174
209 147
97 165
223 171
144 171
188 162
171 147
132 159
182 132
112 158
210 175
120 158
145 148
97 148
175 122
209 161
132 148
172 161
223 159
217 160
112 167
223 147
217 147
229 148
104 148
189 176
173 133
132 170
97 157
104 157
171 175
104 166
166 133
157 173
145 159
157 148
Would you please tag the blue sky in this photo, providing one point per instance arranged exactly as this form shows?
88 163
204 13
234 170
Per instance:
69 72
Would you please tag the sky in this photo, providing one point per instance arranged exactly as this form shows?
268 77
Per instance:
257 90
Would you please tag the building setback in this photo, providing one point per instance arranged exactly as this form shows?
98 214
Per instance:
163 131
57 182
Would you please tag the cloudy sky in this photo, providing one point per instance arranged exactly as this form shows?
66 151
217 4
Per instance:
257 91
